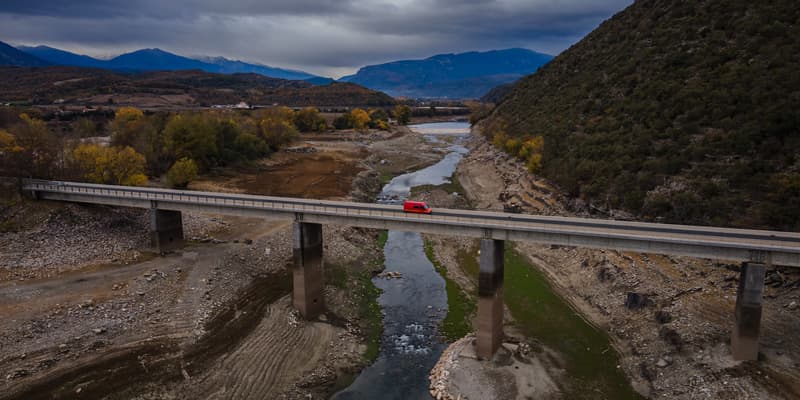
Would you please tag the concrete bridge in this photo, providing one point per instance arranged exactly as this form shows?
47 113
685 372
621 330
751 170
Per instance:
753 248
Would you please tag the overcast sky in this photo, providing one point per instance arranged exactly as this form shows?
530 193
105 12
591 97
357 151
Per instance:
326 37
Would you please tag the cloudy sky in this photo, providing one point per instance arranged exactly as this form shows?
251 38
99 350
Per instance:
326 37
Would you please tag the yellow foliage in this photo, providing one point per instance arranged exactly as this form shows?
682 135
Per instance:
534 163
128 114
512 146
110 165
8 143
360 118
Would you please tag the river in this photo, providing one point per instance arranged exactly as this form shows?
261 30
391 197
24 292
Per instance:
415 304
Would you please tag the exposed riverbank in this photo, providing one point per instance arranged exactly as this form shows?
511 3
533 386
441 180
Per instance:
147 316
674 342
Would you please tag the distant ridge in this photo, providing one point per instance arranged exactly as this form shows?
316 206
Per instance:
11 56
160 60
456 76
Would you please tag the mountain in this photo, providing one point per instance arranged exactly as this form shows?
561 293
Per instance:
173 89
154 60
61 57
226 66
160 60
11 56
465 75
679 111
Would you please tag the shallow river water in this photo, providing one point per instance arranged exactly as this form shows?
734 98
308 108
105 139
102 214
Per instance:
415 304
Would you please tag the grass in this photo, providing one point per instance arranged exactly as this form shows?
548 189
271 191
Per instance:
542 314
358 282
460 306
386 177
383 237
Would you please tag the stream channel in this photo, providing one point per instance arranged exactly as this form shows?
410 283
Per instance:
414 305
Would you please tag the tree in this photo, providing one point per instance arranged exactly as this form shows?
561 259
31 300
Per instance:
182 172
110 165
360 119
126 126
379 119
344 121
403 114
84 127
192 136
250 146
39 150
309 120
276 127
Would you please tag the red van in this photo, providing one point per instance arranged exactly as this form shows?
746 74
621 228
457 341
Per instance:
416 207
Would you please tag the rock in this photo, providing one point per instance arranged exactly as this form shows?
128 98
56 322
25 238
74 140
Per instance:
663 317
249 241
661 363
636 301
791 306
98 331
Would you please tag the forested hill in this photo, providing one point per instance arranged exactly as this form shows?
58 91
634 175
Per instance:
680 111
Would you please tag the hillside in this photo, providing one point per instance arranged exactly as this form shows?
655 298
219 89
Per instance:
180 89
11 56
160 60
455 76
680 111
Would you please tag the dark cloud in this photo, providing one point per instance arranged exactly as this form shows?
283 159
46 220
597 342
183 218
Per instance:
329 37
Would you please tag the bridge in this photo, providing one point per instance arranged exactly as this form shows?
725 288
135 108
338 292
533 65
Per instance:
755 249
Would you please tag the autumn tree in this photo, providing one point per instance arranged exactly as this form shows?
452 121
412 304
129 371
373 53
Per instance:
110 165
126 126
276 127
192 136
37 152
360 119
379 119
182 173
403 114
309 120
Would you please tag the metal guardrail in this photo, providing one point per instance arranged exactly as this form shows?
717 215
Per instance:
679 234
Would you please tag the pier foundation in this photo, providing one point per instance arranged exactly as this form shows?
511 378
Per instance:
166 230
307 273
490 298
747 320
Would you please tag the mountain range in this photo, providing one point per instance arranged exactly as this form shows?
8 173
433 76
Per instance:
679 111
160 60
12 56
455 76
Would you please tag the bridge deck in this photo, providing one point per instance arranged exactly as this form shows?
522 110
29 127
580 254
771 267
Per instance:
780 248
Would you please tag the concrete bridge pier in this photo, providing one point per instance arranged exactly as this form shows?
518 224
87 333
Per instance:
307 273
490 298
166 230
747 325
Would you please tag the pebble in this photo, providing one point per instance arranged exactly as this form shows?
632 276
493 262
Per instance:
792 306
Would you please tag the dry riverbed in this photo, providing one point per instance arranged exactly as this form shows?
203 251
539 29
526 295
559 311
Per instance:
88 310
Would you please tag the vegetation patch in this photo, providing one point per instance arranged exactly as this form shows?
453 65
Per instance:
357 281
542 314
682 112
460 306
